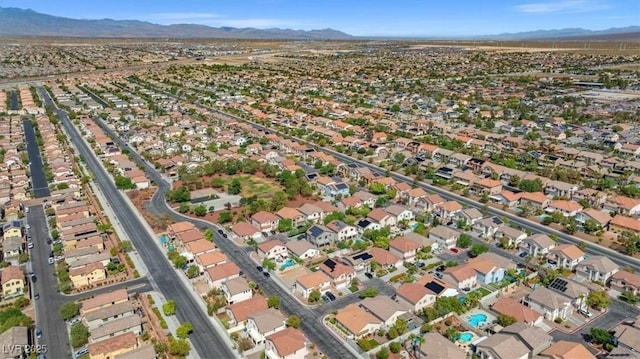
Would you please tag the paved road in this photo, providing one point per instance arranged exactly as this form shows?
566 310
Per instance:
39 183
311 321
591 248
54 329
163 277
14 104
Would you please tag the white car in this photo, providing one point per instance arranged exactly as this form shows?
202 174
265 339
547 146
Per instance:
27 226
30 245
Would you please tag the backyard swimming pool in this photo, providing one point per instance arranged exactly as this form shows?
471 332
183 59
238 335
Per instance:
288 263
465 337
477 319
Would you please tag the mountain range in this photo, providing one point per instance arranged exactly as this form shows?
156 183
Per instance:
21 22
28 23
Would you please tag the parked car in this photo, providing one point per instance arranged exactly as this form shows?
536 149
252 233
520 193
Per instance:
259 268
220 231
369 275
27 226
51 260
36 295
330 296
38 333
420 264
266 274
325 299
585 312
523 254
30 245
454 250
49 241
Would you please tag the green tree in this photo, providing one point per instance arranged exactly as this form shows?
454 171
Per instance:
179 347
464 241
273 302
314 296
478 249
369 293
200 210
268 264
169 308
382 353
598 299
531 185
225 217
208 234
235 187
69 310
395 347
590 226
600 336
285 225
193 271
79 335
184 330
293 321
124 182
506 320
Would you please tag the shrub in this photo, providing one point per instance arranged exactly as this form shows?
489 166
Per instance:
169 308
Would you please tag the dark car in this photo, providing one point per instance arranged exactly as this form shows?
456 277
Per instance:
259 268
225 235
420 264
34 278
369 275
330 296
38 333
49 240
266 274
220 231
523 254
325 299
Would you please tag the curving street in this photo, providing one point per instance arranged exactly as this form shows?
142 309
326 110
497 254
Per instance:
205 340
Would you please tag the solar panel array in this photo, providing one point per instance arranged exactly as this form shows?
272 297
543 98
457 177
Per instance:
315 231
434 287
559 285
364 256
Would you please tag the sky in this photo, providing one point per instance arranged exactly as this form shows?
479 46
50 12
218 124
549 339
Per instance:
403 18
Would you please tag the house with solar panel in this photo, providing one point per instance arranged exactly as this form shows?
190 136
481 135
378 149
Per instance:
343 230
550 303
335 190
320 235
360 261
341 274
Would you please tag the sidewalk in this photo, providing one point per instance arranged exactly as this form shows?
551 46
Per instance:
172 321
143 270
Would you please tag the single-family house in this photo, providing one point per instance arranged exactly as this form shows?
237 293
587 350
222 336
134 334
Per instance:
217 275
246 231
302 249
236 290
597 269
517 340
320 235
401 213
341 274
487 271
357 321
563 349
538 244
446 237
624 281
462 276
404 248
241 311
513 308
262 324
382 217
342 230
289 343
384 308
565 256
487 227
273 249
112 347
509 237
567 208
550 303
436 346
87 275
265 221
385 258
415 296
12 279
307 283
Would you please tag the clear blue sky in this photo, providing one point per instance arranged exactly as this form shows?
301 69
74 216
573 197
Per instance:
359 17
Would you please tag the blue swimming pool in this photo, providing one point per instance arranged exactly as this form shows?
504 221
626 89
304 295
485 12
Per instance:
465 337
477 319
288 263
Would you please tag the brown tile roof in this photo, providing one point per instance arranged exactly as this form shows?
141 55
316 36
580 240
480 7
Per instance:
537 197
403 244
512 307
12 272
200 246
632 279
567 350
626 222
355 319
105 299
289 213
412 292
569 251
127 340
242 310
313 279
461 272
179 227
270 244
383 256
264 217
244 229
567 206
224 270
287 341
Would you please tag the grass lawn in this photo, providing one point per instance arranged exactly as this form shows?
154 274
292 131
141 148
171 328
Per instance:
255 186
482 292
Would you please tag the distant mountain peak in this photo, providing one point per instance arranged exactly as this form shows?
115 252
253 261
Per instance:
26 22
